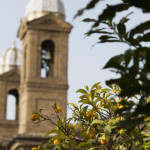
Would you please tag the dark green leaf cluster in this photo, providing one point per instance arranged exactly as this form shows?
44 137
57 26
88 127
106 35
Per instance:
134 65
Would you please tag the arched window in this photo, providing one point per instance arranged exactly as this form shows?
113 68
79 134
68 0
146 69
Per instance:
47 58
12 105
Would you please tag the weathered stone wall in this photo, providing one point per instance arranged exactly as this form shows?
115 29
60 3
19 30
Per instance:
8 128
35 92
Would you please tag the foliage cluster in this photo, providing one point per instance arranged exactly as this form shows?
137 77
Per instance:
98 123
108 118
134 65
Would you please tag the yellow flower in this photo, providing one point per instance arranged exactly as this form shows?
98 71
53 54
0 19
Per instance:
121 107
94 111
118 103
34 148
34 117
101 90
89 114
103 141
127 106
56 142
90 98
92 135
58 109
148 124
74 126
94 130
120 118
87 132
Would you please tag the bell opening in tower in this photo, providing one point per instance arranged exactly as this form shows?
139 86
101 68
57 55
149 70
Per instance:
47 58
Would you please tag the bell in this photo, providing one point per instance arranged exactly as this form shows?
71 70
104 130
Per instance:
48 55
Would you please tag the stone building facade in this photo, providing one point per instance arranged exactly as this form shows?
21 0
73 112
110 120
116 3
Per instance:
35 76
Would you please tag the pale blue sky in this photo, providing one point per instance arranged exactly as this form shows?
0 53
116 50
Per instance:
84 63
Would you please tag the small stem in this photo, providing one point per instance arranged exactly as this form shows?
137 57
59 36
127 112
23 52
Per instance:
51 122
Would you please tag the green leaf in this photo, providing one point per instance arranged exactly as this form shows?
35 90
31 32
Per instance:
41 109
109 41
145 38
144 4
79 126
125 19
89 20
79 13
98 31
81 91
121 28
97 100
86 102
108 94
133 41
104 38
84 96
135 69
34 112
83 144
86 87
129 87
50 132
110 12
90 5
59 147
74 105
140 28
54 105
115 62
108 129
91 149
128 55
147 57
56 137
130 123
97 121
144 109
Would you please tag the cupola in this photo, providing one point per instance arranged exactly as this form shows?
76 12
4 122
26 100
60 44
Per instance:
10 59
38 8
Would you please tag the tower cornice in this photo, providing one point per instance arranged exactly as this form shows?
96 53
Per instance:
47 22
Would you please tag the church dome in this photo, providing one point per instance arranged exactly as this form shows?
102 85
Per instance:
10 59
37 8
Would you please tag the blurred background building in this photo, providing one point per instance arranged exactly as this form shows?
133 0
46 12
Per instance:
34 77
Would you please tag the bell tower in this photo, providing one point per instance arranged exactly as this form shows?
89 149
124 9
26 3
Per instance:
44 34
